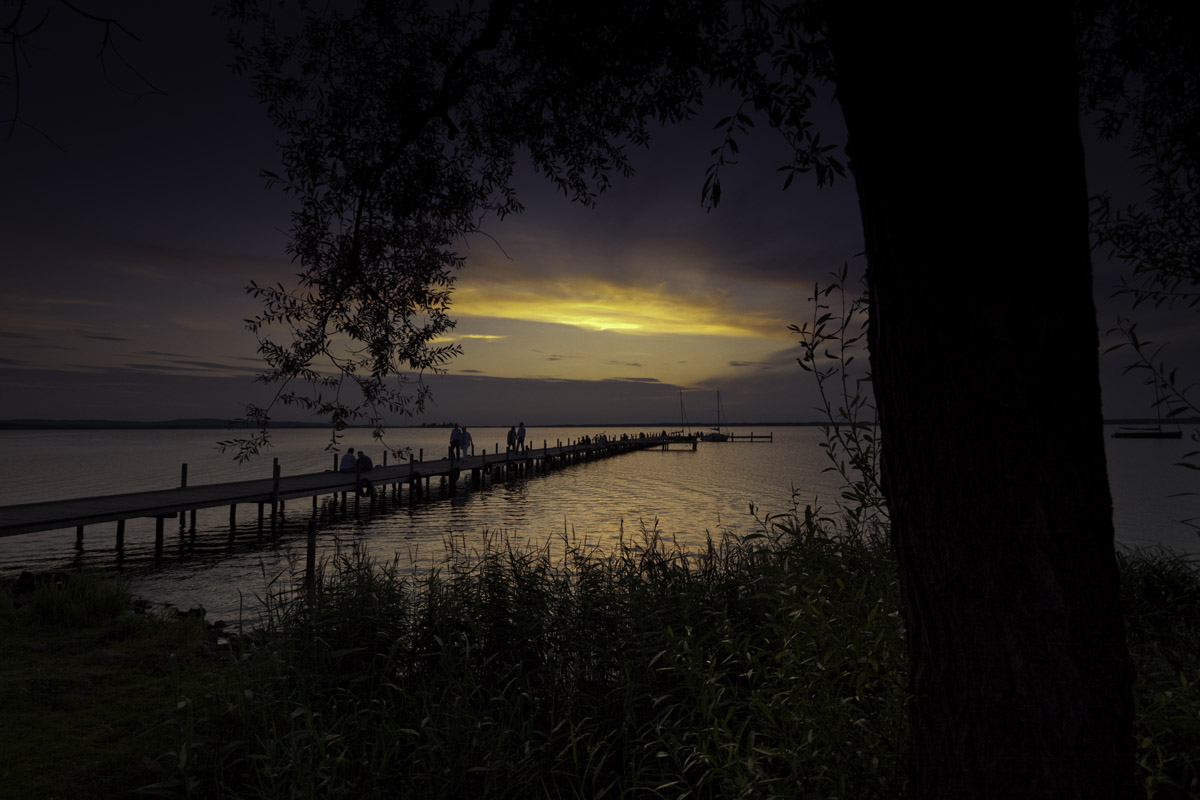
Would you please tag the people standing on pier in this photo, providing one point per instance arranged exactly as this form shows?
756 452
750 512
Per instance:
521 436
512 438
465 441
349 461
455 443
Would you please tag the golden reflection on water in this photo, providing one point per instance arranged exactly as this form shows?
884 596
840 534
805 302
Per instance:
680 494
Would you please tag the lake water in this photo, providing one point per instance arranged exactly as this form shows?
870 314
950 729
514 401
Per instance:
683 494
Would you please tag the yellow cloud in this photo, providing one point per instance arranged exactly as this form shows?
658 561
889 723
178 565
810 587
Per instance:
594 304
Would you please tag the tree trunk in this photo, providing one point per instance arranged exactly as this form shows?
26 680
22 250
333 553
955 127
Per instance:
964 144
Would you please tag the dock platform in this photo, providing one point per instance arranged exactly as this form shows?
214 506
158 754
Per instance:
413 476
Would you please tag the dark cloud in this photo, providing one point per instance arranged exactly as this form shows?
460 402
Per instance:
104 338
123 394
184 366
15 335
207 365
165 369
634 380
13 362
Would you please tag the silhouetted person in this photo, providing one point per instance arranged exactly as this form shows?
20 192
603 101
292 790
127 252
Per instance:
455 443
512 438
349 461
364 462
521 436
465 442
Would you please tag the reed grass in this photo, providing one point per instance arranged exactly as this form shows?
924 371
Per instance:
1161 595
770 665
78 599
765 666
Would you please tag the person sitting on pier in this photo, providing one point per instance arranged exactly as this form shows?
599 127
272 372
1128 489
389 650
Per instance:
364 461
349 461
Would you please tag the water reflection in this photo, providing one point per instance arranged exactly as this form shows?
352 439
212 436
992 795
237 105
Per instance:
684 494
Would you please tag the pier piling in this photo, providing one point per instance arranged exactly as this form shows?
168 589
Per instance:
482 469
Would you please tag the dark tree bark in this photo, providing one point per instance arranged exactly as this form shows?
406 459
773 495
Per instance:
964 144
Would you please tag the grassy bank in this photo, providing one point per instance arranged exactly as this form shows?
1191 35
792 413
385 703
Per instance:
88 688
769 666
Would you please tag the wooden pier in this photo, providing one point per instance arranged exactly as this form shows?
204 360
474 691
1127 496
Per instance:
752 437
409 481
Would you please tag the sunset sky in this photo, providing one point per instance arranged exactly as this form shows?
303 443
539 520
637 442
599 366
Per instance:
131 220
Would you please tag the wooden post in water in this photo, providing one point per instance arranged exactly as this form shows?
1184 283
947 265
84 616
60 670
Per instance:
357 484
412 480
260 519
310 563
120 535
182 485
78 537
275 495
232 520
158 537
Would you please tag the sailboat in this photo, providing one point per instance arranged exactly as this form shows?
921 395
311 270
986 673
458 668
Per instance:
716 434
1148 432
1155 432
684 425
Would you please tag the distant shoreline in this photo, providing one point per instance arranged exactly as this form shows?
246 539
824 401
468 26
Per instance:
221 424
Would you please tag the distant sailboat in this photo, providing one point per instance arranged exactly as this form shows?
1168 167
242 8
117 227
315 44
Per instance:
716 434
684 425
1156 432
1148 432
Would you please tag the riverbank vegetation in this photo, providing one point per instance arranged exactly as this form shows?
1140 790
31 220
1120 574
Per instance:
770 665
88 686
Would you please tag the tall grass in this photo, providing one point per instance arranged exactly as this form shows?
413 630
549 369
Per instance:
79 599
1161 594
767 666
764 666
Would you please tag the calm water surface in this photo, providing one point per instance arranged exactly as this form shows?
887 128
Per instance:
680 493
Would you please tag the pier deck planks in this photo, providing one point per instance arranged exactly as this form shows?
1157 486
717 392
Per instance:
71 513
